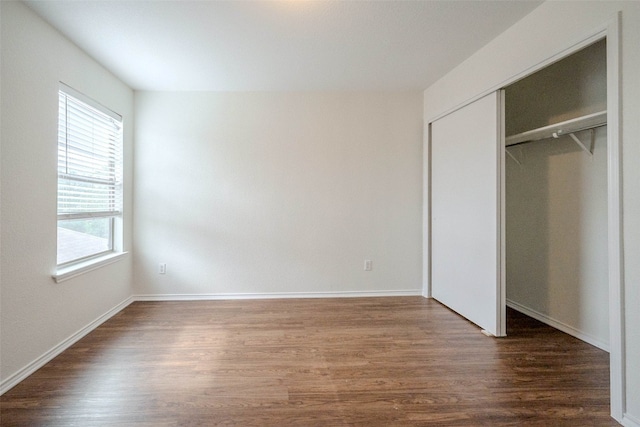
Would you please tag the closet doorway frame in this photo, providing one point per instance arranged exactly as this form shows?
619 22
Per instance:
609 31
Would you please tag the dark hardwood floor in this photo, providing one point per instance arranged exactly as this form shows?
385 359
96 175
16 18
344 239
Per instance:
403 361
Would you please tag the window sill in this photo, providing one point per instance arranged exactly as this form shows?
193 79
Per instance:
72 271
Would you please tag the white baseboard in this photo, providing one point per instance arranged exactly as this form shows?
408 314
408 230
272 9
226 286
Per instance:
630 421
23 373
275 295
559 325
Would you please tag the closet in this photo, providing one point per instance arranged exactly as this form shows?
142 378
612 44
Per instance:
523 203
556 195
518 201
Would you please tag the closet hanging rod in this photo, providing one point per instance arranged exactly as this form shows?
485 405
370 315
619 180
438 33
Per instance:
589 121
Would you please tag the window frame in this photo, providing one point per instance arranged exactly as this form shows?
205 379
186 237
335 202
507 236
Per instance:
115 211
111 244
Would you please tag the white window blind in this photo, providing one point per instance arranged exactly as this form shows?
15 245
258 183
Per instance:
89 176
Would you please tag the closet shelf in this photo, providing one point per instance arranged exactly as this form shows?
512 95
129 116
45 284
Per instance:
556 130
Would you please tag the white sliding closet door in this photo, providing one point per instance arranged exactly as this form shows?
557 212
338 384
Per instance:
467 226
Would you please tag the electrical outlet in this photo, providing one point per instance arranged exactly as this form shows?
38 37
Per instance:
162 269
368 265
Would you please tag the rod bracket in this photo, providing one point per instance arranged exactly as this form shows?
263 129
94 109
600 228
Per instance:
589 149
513 156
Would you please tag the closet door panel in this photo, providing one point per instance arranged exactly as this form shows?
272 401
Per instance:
466 246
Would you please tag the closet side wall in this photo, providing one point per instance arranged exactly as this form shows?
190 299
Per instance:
556 200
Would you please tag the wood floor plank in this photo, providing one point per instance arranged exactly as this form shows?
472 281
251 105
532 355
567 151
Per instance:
402 361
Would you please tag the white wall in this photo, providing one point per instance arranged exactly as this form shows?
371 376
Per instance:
265 193
37 313
549 29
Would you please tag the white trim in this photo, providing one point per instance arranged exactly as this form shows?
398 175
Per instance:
617 364
71 271
630 421
88 215
567 329
426 209
276 295
501 226
38 363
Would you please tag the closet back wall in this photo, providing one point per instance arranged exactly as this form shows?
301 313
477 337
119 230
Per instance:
557 236
277 193
556 201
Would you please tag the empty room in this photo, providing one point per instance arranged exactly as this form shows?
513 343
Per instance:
319 213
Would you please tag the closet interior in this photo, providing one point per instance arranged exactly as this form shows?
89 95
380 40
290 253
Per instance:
556 195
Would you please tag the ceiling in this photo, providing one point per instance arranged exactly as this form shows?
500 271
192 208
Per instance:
291 45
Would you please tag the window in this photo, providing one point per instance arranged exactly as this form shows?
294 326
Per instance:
89 178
